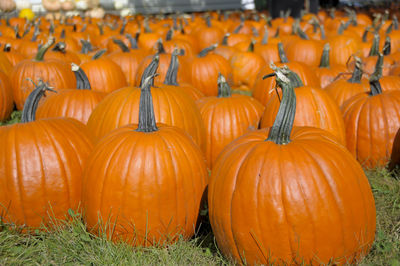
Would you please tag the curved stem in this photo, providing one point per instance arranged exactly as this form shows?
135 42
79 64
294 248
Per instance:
147 119
282 54
374 79
42 51
172 72
224 90
325 57
357 73
32 102
283 124
238 28
205 51
132 41
302 34
122 30
151 69
387 47
86 47
121 45
225 39
82 81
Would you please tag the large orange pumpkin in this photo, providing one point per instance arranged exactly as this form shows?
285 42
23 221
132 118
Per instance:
41 166
6 100
285 197
144 184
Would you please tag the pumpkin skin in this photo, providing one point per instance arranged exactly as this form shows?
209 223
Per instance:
371 125
305 51
5 64
142 166
315 108
205 70
342 48
6 99
104 75
290 195
305 202
57 73
227 118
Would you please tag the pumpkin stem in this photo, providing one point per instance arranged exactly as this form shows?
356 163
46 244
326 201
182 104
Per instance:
35 35
16 32
101 29
375 46
172 72
84 27
62 35
32 102
147 119
325 57
387 47
42 51
224 90
341 29
357 73
255 32
277 32
238 28
27 30
265 37
322 31
160 47
122 30
251 46
374 83
86 47
225 39
151 69
283 124
82 81
7 47
395 22
389 29
365 34
99 54
132 41
208 21
205 51
59 47
121 45
170 32
282 54
302 34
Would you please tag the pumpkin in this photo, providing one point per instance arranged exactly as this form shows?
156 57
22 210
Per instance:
75 103
208 34
341 90
227 117
5 64
7 5
172 107
6 100
205 69
267 50
41 166
245 67
128 59
370 61
104 75
326 72
270 192
372 120
60 52
342 47
224 49
12 56
57 73
315 108
142 166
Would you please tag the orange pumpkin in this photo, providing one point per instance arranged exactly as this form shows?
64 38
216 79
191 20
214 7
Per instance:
6 100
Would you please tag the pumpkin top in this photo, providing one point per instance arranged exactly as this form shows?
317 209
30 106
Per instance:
282 127
42 51
357 73
375 77
375 46
224 90
82 81
150 70
147 120
32 102
205 51
325 57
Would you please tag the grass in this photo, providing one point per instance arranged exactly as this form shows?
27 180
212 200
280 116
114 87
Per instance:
70 243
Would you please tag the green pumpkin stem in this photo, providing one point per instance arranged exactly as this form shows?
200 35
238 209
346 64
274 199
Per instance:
322 30
151 69
225 39
121 45
42 51
365 34
302 34
238 28
82 81
283 124
358 72
395 22
282 54
172 72
265 37
99 54
147 119
387 47
122 30
389 29
86 47
205 51
251 46
133 41
224 90
32 102
325 57
374 83
375 46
